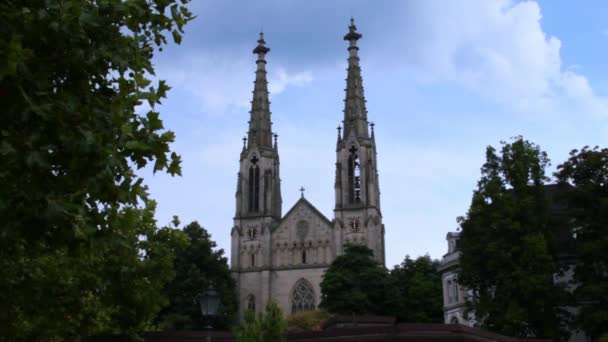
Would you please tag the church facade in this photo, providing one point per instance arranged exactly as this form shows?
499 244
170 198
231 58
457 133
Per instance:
283 257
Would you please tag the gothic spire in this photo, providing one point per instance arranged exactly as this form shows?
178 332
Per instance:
355 113
260 132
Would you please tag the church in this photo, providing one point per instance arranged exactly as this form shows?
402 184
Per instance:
283 257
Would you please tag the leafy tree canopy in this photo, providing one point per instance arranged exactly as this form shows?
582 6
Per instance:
420 296
507 261
197 267
356 283
79 255
586 174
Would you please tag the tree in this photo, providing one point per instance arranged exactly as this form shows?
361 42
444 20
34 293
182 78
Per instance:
507 260
420 296
585 176
268 326
79 254
197 267
356 284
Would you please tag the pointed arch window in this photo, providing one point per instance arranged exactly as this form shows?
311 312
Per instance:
252 260
251 303
254 185
302 297
354 176
303 256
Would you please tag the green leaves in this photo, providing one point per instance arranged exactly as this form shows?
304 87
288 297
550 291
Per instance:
197 266
78 253
506 258
268 326
584 177
419 296
356 283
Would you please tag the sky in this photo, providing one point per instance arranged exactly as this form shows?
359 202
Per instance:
443 80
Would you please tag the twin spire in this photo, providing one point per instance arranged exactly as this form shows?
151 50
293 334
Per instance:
260 126
355 112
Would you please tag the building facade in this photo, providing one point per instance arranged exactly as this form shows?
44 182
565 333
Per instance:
283 257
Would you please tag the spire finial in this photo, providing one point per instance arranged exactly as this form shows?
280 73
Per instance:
275 139
339 128
352 34
261 49
244 143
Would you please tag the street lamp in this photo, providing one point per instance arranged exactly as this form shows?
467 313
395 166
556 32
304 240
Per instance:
209 301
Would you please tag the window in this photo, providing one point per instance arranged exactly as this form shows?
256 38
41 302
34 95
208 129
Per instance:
251 303
303 297
452 289
454 320
304 256
254 185
252 260
354 176
449 290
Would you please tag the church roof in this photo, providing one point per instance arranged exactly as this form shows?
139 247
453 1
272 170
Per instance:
305 202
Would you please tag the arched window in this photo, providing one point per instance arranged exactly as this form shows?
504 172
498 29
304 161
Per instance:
303 256
354 176
251 303
254 186
302 297
454 320
252 259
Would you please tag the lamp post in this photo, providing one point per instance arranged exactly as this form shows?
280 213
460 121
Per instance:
209 301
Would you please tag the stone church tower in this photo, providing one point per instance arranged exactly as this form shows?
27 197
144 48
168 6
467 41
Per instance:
283 258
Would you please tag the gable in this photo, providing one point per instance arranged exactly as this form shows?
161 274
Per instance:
303 222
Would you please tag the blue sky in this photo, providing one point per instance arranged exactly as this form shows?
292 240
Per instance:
442 81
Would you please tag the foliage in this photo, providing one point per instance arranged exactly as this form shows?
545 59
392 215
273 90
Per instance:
268 326
507 259
420 296
306 321
197 267
78 253
585 174
356 284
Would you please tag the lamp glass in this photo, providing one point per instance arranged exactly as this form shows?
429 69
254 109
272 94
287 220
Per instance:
210 301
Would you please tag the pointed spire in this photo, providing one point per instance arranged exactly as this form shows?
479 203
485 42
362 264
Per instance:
355 112
372 126
260 132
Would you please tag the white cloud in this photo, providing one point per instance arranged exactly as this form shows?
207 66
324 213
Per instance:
499 49
281 80
224 81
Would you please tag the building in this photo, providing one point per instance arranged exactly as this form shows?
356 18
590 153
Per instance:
454 296
283 257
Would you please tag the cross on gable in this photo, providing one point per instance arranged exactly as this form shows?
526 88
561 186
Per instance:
254 160
302 191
